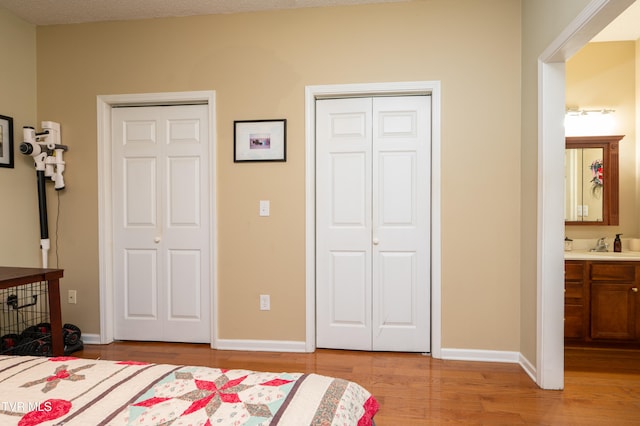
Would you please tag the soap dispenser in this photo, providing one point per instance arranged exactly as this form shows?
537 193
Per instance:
617 244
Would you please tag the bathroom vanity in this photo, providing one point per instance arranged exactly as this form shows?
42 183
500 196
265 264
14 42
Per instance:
602 299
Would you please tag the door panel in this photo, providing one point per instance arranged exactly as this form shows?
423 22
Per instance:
372 223
613 313
397 189
139 185
184 192
184 291
348 316
344 224
348 284
397 282
401 223
348 190
141 284
161 217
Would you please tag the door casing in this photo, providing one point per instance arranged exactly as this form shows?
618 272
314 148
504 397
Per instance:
373 89
105 208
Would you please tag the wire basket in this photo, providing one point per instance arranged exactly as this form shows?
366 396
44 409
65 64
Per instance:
25 327
24 322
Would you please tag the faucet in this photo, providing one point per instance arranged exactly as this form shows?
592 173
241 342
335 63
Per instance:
601 245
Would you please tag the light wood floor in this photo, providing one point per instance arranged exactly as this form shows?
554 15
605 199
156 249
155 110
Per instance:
602 387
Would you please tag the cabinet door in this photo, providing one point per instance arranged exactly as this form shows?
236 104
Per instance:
576 318
613 311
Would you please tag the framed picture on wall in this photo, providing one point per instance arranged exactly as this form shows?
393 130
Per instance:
6 141
260 140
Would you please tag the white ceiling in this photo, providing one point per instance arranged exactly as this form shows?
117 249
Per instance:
49 12
625 27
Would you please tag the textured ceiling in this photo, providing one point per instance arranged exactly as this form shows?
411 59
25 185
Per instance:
49 12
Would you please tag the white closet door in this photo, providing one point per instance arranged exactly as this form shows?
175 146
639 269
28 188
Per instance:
343 223
401 223
161 223
372 223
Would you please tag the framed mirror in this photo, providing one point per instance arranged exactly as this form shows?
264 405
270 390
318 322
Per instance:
591 180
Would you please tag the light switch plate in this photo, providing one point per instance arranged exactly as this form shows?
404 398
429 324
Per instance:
265 207
265 302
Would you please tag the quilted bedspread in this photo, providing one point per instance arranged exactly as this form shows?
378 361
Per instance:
75 391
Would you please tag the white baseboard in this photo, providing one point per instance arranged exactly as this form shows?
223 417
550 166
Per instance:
300 346
232 345
491 356
91 339
480 355
528 367
259 345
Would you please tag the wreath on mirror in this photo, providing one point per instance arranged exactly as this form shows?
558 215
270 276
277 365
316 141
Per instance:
597 180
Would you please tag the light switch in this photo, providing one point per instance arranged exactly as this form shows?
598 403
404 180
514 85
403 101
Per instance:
265 207
265 302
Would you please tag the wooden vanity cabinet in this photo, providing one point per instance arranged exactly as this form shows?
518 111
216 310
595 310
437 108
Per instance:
614 301
602 302
576 319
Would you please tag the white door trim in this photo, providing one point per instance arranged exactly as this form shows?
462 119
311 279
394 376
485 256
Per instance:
551 142
105 207
373 89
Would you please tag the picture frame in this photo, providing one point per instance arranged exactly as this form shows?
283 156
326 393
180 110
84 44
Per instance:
6 141
259 140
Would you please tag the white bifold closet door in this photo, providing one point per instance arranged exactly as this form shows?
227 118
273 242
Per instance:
160 167
373 167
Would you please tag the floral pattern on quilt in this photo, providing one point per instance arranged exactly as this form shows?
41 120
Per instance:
79 392
62 372
195 395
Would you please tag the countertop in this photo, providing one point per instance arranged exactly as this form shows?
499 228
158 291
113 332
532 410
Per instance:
582 250
596 255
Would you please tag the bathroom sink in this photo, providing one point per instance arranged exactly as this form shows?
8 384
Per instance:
600 255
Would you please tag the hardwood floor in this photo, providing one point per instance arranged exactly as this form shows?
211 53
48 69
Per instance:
602 387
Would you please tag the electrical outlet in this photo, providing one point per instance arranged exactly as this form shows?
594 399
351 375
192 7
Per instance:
72 297
265 302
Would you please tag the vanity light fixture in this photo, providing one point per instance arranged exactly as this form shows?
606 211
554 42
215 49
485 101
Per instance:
575 111
589 121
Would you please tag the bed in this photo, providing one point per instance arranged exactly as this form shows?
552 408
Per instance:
76 391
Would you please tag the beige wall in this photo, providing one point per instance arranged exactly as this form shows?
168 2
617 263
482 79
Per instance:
489 156
488 303
19 223
637 127
542 22
603 75
259 64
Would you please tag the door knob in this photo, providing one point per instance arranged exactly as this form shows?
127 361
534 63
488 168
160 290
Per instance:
156 240
634 289
376 241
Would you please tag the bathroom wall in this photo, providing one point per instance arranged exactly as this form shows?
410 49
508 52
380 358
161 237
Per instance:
605 75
